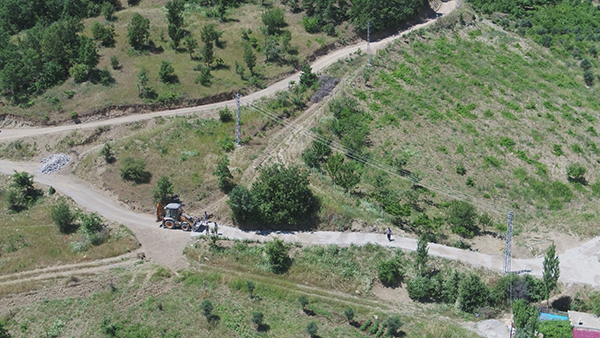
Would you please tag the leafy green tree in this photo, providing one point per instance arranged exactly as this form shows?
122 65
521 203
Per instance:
250 287
190 45
273 19
63 217
393 325
283 196
107 153
555 328
163 191
585 64
209 33
22 194
208 55
277 255
257 319
225 178
80 72
472 293
134 170
308 78
389 272
3 331
303 300
349 313
249 58
242 204
422 254
312 328
108 10
419 288
88 53
551 272
383 14
523 314
462 216
144 90
175 19
138 31
114 62
272 50
207 309
104 34
166 73
588 77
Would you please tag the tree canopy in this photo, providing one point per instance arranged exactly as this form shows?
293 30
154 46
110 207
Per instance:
383 14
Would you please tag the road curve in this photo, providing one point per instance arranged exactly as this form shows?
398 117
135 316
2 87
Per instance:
323 62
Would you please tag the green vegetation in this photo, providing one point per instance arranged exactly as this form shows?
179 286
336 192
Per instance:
551 271
22 194
63 218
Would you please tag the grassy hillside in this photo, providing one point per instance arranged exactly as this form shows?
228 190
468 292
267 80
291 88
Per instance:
60 102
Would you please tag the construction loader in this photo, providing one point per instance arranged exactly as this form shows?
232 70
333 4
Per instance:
172 217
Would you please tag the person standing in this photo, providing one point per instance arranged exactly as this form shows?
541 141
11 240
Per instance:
205 216
388 232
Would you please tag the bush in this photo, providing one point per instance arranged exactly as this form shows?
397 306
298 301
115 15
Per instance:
308 78
114 62
63 217
207 309
523 314
460 169
257 318
242 204
277 255
472 293
389 272
576 173
22 194
462 217
303 300
274 19
312 329
134 170
311 24
91 223
555 328
349 313
393 323
166 73
225 115
80 72
107 153
225 178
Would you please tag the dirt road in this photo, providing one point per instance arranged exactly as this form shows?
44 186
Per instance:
210 109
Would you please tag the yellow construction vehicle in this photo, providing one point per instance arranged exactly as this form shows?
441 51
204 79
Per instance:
172 217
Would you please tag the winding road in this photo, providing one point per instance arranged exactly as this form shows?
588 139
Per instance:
578 265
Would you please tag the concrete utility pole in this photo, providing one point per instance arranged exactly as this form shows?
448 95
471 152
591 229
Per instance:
368 43
507 253
237 120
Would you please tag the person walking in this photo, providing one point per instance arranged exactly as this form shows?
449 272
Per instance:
388 232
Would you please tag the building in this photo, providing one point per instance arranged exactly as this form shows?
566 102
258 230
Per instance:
585 325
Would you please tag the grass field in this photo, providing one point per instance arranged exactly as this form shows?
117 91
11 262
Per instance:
31 240
60 102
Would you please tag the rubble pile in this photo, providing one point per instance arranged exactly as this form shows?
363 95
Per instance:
54 163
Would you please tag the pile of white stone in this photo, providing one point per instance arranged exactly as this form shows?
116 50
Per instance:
54 163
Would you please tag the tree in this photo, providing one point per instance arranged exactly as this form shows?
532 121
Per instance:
225 178
175 19
349 313
257 319
63 217
208 33
190 45
277 255
108 10
551 272
91 223
303 300
138 31
555 328
114 62
389 272
104 34
308 78
3 331
463 218
163 191
250 287
249 58
207 309
393 325
472 293
144 91
242 204
107 153
88 53
576 173
422 254
383 14
523 314
585 64
283 196
312 328
134 170
274 19
588 77
166 73
22 194
208 55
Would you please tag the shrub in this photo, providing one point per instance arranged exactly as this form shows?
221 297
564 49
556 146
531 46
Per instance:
311 24
22 194
472 293
107 153
166 73
134 170
242 204
227 143
80 72
91 223
225 178
419 288
557 150
63 217
303 300
225 115
274 19
555 328
277 255
51 191
460 169
114 62
204 78
470 182
588 77
257 318
389 272
523 314
312 329
576 173
308 78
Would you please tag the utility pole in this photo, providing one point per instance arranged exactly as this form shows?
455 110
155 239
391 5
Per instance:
507 253
237 120
369 43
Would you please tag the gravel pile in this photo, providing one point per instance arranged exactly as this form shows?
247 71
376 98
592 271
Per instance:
54 163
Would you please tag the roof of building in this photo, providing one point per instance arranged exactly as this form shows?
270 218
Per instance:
584 320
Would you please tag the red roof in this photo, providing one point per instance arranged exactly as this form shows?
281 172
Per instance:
583 333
